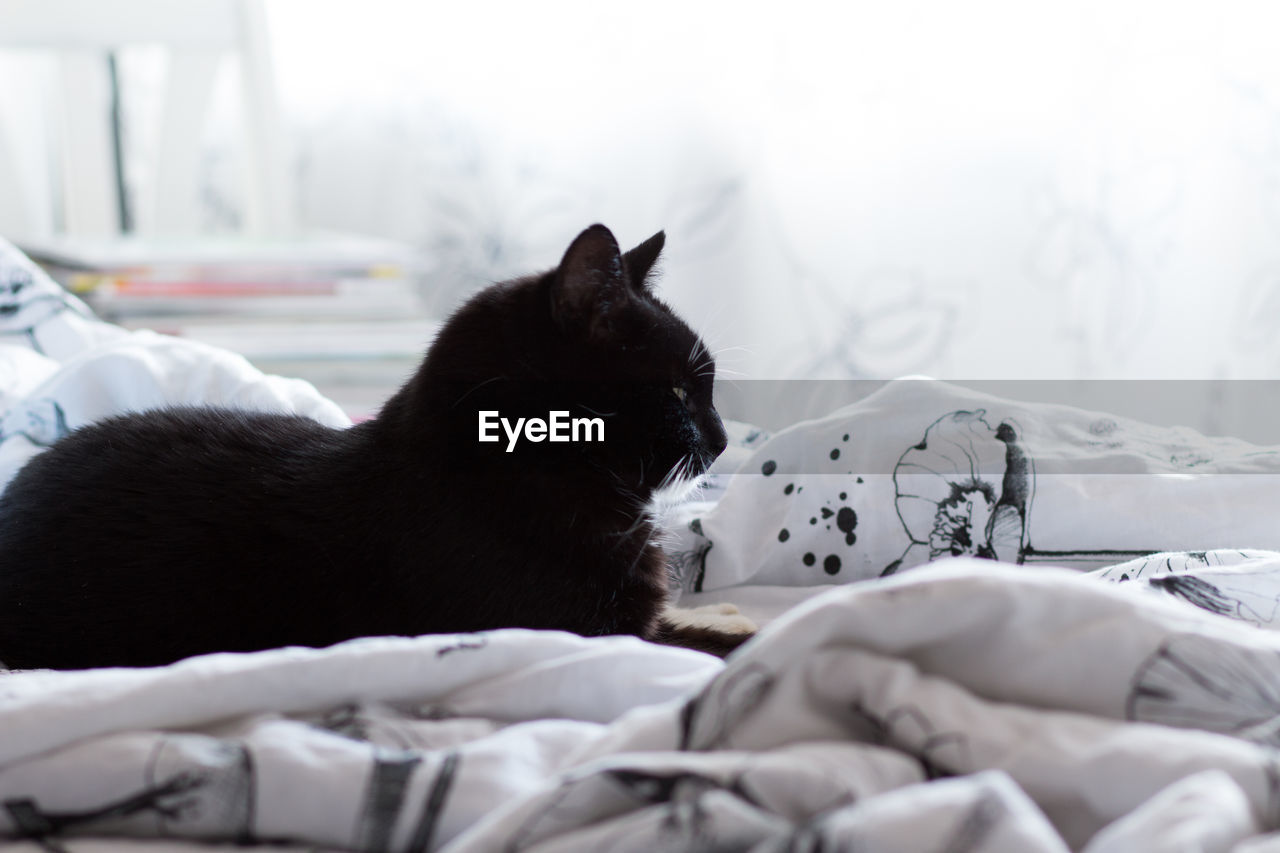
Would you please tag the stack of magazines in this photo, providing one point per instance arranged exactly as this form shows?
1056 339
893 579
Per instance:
346 313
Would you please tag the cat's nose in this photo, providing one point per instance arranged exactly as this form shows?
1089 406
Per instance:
717 439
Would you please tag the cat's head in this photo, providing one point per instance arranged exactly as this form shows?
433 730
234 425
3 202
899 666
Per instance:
589 338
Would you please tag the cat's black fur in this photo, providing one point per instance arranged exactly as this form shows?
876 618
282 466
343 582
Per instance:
150 537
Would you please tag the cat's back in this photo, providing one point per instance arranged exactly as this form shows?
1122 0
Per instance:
196 482
187 450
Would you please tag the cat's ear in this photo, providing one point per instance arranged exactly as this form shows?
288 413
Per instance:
590 283
641 259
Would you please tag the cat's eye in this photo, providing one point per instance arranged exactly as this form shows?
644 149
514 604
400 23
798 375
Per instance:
680 393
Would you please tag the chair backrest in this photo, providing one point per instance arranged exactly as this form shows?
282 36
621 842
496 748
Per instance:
77 170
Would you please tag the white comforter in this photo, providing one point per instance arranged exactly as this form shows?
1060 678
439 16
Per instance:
958 704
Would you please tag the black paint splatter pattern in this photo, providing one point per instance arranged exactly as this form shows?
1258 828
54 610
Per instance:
846 521
837 513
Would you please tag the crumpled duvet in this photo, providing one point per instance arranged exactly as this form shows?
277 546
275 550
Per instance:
968 706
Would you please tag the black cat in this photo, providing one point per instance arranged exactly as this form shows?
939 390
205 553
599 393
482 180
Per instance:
151 537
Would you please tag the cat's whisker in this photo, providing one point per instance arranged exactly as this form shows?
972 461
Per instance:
679 484
697 352
711 326
475 389
642 517
635 562
726 363
666 480
731 382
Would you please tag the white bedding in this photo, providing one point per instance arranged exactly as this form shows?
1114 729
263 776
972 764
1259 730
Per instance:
959 704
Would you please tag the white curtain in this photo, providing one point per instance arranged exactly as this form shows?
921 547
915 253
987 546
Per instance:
970 190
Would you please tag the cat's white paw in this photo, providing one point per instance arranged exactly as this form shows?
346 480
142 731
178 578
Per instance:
724 607
718 617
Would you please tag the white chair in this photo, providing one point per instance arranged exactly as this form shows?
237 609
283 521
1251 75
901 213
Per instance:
69 183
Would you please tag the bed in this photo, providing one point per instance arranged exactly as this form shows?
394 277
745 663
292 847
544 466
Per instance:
986 626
